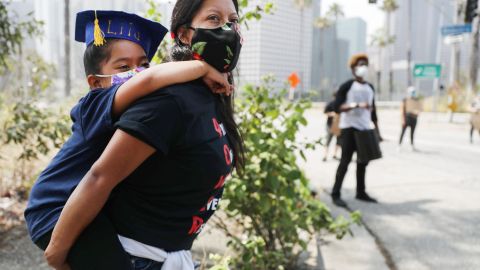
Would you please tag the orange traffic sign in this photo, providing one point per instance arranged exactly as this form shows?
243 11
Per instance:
294 80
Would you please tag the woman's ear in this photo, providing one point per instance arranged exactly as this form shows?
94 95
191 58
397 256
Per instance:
94 82
184 35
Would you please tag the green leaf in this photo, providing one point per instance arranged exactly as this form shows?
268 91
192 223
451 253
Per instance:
229 52
199 47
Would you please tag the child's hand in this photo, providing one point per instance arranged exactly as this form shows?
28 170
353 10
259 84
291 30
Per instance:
217 82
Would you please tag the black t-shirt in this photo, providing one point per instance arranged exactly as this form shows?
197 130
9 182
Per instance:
167 200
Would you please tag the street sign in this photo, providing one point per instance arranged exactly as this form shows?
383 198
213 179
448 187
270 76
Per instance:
427 71
456 29
294 80
449 40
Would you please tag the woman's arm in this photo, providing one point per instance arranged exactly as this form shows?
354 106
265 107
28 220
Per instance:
121 157
159 76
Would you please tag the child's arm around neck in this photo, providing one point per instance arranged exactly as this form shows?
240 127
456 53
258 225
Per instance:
156 77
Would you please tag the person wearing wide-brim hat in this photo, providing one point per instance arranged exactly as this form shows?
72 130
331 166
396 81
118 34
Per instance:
355 101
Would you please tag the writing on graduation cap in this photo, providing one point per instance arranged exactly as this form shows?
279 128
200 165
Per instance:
117 29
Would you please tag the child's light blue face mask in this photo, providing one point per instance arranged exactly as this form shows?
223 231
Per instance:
122 77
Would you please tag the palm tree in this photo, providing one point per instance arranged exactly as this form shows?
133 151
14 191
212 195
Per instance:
322 22
302 4
389 7
330 19
335 12
381 39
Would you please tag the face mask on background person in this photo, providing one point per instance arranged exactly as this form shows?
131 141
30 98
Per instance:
412 92
122 77
361 71
219 47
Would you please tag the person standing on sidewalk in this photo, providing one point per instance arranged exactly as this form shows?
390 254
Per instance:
411 108
355 101
333 129
475 117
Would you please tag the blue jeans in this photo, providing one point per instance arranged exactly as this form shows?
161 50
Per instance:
145 264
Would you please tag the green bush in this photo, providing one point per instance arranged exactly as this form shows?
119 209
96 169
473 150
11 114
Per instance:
36 130
28 122
13 31
273 212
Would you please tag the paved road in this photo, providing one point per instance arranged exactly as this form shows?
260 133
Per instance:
429 213
427 219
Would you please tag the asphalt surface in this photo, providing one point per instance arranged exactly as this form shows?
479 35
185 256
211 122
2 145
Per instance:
427 217
429 207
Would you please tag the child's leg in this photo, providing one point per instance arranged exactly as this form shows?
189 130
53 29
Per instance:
327 144
97 247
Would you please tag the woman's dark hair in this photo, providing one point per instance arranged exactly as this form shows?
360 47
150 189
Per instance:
94 55
182 15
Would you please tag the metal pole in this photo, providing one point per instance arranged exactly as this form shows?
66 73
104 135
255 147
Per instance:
389 58
456 47
474 57
438 60
67 47
409 44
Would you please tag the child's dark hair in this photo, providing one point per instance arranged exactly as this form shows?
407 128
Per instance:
182 15
95 55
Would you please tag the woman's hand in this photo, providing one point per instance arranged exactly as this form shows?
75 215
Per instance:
57 259
217 82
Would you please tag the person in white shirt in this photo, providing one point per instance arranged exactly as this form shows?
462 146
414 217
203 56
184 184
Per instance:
355 101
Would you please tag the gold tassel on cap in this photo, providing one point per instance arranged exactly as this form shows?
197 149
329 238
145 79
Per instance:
98 35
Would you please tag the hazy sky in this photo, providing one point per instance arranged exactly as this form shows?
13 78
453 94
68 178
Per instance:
371 13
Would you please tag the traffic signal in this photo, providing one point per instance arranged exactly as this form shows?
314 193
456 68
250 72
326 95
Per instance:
471 11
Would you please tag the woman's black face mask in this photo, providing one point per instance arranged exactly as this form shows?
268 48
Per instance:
219 47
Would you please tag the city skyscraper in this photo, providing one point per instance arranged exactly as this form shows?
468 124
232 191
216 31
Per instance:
279 44
354 32
427 43
51 45
332 47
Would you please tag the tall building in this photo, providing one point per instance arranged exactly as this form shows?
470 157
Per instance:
51 45
333 46
279 44
427 43
354 32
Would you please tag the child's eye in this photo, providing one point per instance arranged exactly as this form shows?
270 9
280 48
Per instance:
124 67
234 20
146 65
